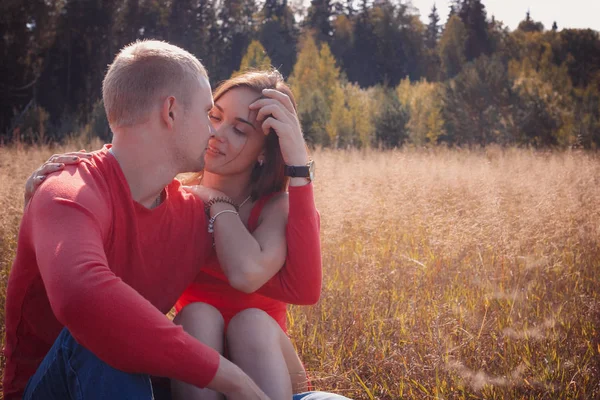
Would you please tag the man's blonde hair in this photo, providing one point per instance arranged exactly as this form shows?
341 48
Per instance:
143 72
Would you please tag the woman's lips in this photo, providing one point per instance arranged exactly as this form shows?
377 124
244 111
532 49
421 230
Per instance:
214 151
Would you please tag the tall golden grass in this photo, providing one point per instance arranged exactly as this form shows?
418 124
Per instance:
447 274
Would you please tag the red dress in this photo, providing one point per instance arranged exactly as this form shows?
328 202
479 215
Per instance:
212 287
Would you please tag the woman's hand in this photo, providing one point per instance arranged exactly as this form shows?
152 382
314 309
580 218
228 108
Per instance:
54 164
277 112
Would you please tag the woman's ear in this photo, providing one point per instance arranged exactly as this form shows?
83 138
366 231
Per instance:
261 158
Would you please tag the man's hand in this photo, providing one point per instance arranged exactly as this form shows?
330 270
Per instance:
234 383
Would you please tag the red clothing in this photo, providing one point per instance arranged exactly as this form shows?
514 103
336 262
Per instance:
212 286
92 259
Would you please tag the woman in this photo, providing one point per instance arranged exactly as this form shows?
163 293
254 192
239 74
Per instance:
243 185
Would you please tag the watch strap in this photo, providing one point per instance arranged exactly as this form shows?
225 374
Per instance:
295 171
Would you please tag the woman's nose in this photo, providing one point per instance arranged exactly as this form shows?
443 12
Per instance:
218 131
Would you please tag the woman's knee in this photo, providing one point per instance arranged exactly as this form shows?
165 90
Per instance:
253 325
195 313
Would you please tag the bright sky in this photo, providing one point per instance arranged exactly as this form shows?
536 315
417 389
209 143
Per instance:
566 13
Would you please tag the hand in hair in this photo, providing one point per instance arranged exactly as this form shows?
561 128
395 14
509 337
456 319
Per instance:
277 112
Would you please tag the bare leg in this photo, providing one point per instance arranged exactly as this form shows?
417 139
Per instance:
254 343
295 367
205 323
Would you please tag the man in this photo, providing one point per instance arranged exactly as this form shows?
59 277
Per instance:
107 246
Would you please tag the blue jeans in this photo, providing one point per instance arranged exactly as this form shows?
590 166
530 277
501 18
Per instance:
71 372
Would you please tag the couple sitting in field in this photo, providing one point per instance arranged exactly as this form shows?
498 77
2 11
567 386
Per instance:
110 244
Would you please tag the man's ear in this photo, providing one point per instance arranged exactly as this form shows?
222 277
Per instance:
168 112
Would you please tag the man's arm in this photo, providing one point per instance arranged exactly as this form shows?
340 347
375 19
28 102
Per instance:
104 314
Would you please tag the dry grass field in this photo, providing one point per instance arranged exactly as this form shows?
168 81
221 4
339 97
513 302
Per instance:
448 274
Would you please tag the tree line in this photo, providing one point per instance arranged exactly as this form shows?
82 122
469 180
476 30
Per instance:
365 73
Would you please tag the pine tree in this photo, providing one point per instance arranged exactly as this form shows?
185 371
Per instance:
453 8
554 26
432 34
318 19
529 25
235 32
474 17
277 32
452 47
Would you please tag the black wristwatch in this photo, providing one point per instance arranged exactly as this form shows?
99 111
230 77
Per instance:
303 171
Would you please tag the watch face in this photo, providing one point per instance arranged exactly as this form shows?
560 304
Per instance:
311 170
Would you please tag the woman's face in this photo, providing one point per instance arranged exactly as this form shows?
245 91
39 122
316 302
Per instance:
239 141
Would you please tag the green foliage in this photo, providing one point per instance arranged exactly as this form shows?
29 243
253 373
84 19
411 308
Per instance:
493 85
351 123
391 120
315 82
586 124
478 105
529 25
543 108
474 17
423 101
255 58
278 34
452 47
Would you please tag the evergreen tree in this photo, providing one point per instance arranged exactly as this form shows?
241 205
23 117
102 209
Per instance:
478 105
452 47
28 32
318 19
474 17
453 8
236 29
432 34
71 84
529 25
278 34
342 43
554 26
390 124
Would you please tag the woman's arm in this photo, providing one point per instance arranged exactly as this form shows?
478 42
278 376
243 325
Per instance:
249 260
254 262
299 280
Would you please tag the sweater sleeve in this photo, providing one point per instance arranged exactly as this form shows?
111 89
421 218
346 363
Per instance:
299 280
102 312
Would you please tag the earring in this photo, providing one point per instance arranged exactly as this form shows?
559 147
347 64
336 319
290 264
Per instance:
261 162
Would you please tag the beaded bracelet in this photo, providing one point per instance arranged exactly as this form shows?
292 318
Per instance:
211 222
216 200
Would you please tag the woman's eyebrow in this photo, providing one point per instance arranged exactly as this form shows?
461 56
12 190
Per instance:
242 120
245 122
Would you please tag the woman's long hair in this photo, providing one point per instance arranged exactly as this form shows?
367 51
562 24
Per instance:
270 177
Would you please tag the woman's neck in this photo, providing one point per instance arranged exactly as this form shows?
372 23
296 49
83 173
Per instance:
237 187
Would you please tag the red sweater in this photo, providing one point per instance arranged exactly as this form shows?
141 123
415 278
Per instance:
92 259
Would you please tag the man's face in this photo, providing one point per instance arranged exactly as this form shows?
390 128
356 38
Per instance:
196 128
